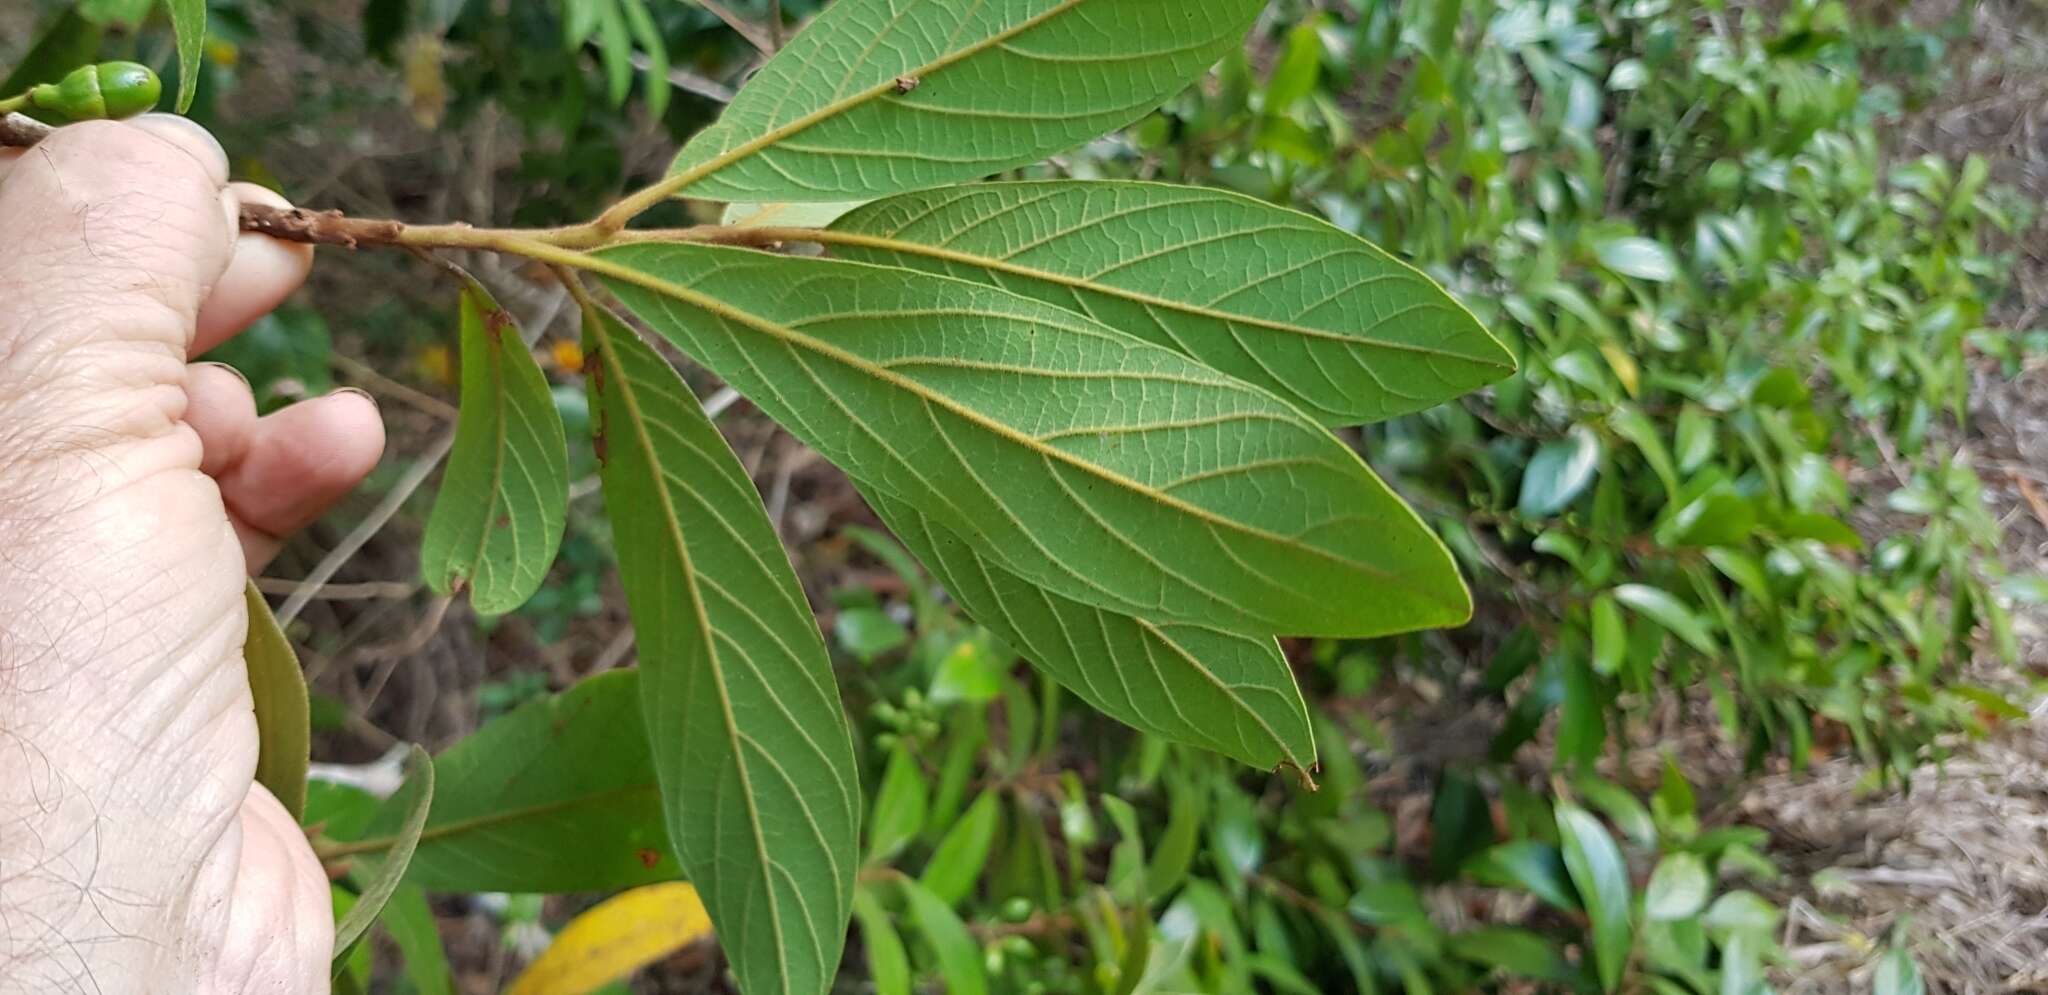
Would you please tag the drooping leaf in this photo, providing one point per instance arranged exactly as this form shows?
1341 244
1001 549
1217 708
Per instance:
188 22
1290 303
1214 690
1642 258
1518 951
417 798
655 48
1601 876
750 743
410 921
1535 867
569 776
958 954
1101 467
497 523
873 98
615 938
283 716
962 854
888 962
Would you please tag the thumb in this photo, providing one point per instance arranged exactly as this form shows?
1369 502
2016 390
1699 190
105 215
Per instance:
116 232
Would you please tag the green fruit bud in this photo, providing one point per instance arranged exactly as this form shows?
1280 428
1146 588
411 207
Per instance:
110 90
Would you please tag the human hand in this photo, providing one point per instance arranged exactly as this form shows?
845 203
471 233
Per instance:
137 492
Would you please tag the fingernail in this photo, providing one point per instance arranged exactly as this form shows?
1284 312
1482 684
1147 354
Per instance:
238 374
187 135
359 392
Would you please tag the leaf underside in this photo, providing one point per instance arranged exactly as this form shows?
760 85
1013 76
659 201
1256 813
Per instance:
1091 463
882 96
497 523
416 798
1229 693
188 22
569 777
750 744
283 714
1290 303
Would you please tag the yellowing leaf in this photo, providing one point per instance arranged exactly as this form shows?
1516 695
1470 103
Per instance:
621 935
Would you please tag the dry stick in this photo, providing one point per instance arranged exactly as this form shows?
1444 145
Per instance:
361 535
747 29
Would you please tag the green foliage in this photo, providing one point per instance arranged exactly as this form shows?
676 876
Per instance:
498 521
283 713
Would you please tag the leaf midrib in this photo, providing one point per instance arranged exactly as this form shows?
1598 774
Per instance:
627 396
721 309
690 177
464 826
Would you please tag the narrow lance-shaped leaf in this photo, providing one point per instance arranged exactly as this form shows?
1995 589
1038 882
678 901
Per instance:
498 521
1318 316
569 776
1215 690
882 96
750 743
283 712
188 22
418 795
1099 466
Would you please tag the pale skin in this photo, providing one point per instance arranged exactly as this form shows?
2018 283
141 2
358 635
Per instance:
138 491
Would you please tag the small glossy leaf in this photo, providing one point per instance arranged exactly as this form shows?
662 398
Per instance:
1678 888
1290 303
958 954
410 921
615 938
867 101
1638 257
1742 912
655 48
569 776
750 744
1095 465
1215 690
869 633
1667 611
283 715
504 501
962 854
188 22
1559 473
417 797
1534 867
1897 974
888 962
1610 636
1601 877
900 807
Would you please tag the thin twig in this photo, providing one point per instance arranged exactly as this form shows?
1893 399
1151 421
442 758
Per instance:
388 590
21 131
775 31
747 29
364 373
353 543
695 84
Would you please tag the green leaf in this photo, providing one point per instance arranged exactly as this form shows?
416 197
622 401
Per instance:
615 49
497 523
1517 952
959 955
569 776
1231 694
1660 607
900 807
869 633
962 854
888 962
750 743
1318 316
1638 257
416 797
1088 462
284 727
1535 867
188 22
868 101
1610 636
1897 974
649 39
410 921
1559 473
1678 888
1742 912
1601 877
1622 808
